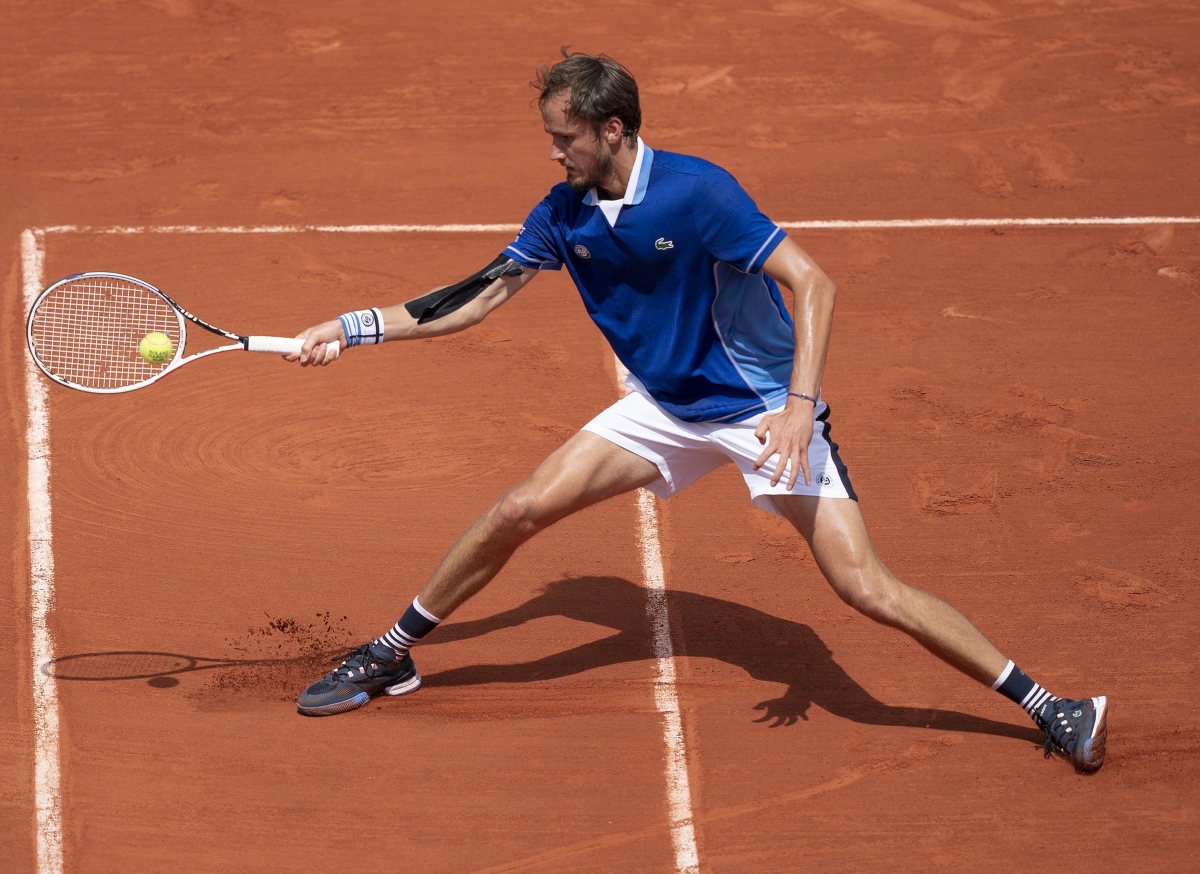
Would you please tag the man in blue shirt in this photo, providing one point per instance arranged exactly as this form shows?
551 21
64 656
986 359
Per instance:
682 274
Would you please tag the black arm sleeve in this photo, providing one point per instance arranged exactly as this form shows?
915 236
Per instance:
446 300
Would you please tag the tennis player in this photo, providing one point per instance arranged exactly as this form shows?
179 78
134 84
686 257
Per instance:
683 275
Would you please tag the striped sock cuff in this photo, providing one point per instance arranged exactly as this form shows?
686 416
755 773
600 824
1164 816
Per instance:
1017 687
1034 701
413 625
1003 676
417 606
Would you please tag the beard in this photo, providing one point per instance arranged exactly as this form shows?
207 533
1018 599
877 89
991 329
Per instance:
599 173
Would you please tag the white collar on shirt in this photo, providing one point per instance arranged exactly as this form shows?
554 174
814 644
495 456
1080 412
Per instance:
612 208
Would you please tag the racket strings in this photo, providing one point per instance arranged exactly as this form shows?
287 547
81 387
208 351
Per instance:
86 331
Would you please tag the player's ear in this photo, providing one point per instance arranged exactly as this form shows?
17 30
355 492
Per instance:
614 128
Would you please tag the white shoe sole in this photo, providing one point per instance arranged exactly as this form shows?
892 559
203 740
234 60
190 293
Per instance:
412 684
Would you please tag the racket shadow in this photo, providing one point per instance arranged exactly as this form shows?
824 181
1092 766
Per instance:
147 665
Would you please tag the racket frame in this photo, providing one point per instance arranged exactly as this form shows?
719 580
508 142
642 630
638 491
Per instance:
274 345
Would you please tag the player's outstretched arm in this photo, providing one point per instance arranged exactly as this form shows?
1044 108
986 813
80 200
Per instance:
398 324
788 432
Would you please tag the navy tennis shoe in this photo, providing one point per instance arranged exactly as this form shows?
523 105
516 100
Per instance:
1077 730
370 670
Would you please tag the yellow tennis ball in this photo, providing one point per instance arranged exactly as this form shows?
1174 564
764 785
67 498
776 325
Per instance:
156 347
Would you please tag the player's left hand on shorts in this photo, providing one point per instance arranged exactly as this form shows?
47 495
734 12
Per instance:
787 434
322 344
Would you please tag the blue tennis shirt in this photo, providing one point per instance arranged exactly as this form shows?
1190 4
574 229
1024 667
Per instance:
672 276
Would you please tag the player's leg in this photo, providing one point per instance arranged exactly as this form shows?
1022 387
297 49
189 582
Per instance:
825 510
838 537
585 470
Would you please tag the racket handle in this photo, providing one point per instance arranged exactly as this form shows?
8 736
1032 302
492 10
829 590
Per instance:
277 345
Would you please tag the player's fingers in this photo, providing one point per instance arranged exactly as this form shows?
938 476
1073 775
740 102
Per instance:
295 356
799 462
320 335
799 458
780 467
306 351
794 472
330 352
767 452
761 433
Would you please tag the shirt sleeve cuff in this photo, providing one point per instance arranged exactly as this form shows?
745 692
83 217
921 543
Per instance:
526 260
764 252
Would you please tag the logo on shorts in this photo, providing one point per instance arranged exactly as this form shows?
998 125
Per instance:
824 479
662 245
582 252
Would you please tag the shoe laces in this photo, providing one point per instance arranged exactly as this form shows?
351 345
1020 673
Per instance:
357 663
1061 729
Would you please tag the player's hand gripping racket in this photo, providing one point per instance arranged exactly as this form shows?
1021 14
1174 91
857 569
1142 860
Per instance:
84 332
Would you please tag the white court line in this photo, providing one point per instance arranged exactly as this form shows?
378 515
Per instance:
283 229
46 774
666 696
814 224
996 222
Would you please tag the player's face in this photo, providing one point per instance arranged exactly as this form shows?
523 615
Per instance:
575 145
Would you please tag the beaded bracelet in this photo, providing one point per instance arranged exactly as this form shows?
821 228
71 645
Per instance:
362 327
797 394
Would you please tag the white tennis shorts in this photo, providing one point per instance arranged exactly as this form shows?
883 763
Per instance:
685 451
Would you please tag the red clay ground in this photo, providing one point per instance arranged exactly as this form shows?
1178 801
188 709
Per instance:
1017 410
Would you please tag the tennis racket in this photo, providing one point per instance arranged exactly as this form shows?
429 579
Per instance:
84 332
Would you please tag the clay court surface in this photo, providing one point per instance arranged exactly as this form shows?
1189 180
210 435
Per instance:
1017 407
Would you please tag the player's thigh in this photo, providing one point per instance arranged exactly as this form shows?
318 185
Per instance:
837 535
584 470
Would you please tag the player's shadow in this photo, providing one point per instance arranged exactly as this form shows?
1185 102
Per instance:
766 647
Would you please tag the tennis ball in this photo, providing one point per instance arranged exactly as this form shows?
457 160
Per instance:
155 347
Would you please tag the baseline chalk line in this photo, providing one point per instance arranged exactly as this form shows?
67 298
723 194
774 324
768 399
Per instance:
283 229
995 222
814 224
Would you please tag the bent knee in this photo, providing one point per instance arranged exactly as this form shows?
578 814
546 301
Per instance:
518 514
873 597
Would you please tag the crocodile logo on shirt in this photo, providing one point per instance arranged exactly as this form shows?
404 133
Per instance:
663 245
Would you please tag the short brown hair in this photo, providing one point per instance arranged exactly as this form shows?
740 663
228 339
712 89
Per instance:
600 89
